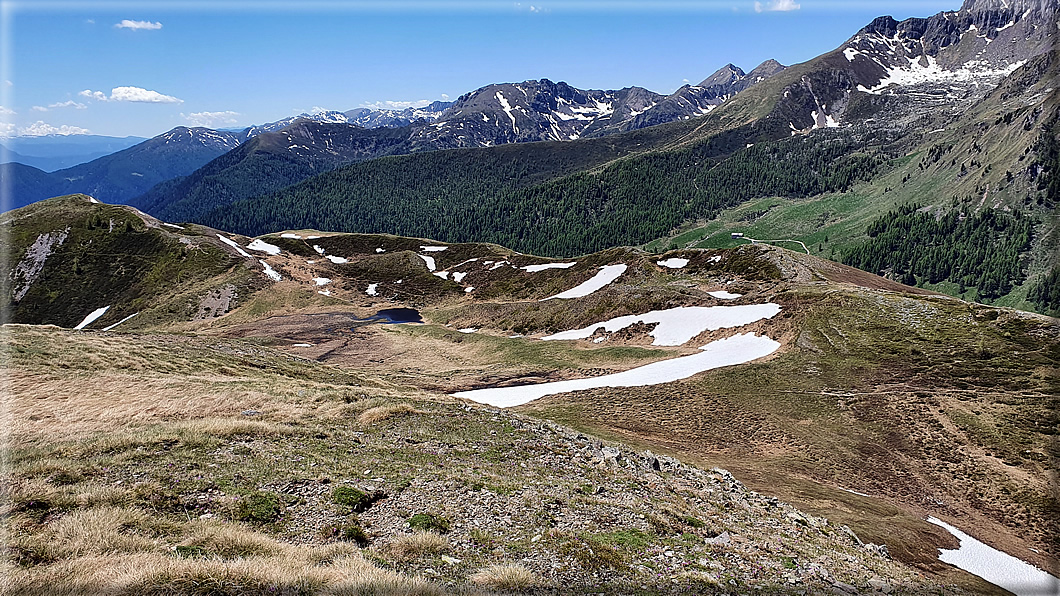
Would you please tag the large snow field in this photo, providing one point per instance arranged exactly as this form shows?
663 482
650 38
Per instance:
607 274
1001 569
678 325
737 349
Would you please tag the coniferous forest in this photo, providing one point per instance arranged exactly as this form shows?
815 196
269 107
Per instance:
972 249
422 195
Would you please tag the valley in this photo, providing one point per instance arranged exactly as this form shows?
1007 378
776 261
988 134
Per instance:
785 331
881 405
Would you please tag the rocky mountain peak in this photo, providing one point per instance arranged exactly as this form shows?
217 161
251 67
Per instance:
1040 6
726 75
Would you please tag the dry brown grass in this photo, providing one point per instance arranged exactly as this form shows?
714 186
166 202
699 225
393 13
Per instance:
504 577
295 570
380 413
416 545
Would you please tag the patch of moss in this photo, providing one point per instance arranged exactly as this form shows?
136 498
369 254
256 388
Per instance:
429 522
258 507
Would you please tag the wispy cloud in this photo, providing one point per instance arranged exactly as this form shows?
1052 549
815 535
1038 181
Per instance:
60 104
6 111
396 105
7 129
133 94
41 128
211 119
138 25
68 104
777 6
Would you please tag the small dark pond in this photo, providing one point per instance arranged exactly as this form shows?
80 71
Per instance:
394 315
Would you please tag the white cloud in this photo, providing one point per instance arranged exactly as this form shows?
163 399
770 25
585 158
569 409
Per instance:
61 104
211 119
6 111
97 95
41 128
777 6
134 94
141 95
397 105
6 129
445 97
138 25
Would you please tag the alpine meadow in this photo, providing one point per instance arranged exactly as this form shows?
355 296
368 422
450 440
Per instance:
788 330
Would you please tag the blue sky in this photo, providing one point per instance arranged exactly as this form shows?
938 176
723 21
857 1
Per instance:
141 68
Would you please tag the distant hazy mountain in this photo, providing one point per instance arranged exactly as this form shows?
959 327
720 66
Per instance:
54 152
125 174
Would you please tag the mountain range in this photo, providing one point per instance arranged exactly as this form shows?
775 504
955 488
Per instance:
766 335
872 118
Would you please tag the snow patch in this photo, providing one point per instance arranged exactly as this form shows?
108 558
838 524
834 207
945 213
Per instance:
458 276
270 272
317 248
676 326
970 72
850 53
672 263
536 268
469 289
738 349
321 281
293 236
468 330
324 292
507 110
379 250
607 274
92 200
92 316
301 345
373 290
723 295
236 246
173 226
429 261
996 567
264 247
109 327
336 260
715 259
433 248
441 274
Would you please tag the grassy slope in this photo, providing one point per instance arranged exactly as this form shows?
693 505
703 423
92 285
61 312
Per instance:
998 134
943 408
113 256
158 479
